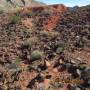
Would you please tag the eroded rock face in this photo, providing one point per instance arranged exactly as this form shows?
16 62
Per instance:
48 16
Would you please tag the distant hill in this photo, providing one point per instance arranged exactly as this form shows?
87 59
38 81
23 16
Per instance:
8 5
80 8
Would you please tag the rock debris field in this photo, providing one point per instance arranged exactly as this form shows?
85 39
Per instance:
45 48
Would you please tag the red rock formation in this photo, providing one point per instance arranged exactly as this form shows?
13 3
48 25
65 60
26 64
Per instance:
52 22
57 14
48 23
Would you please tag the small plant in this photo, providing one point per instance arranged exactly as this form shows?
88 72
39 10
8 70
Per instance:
36 55
27 43
60 43
44 33
1 12
18 61
30 14
15 64
31 41
53 34
60 49
15 19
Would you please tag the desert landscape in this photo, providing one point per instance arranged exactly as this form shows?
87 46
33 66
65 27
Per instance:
44 47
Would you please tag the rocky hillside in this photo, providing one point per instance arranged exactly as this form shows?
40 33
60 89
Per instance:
45 48
8 5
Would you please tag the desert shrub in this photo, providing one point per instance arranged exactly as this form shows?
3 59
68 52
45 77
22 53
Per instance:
44 33
8 0
59 50
30 14
17 61
60 43
27 43
36 55
53 34
31 41
15 64
15 19
17 13
1 12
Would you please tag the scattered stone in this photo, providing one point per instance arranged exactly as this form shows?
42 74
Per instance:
12 66
78 72
76 88
87 70
41 86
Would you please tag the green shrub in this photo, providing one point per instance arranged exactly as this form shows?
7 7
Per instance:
36 55
15 19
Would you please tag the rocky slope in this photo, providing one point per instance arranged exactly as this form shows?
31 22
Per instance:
45 48
8 5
